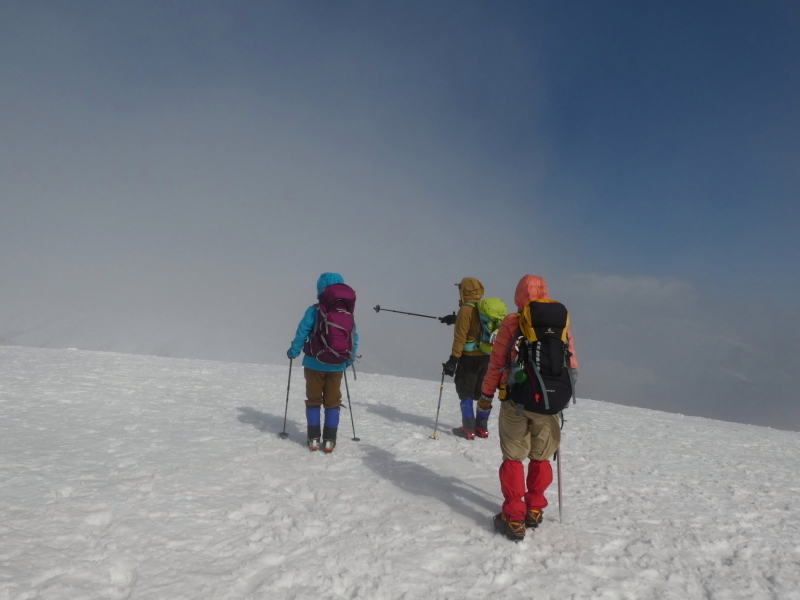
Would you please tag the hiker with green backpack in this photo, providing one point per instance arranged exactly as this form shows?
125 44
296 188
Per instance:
476 324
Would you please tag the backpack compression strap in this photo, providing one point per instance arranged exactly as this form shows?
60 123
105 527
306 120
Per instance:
321 312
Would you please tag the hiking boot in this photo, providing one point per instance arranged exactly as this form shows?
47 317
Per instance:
467 429
513 530
463 432
313 444
533 518
481 433
329 438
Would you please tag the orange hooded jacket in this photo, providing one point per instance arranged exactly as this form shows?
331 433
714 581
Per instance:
529 288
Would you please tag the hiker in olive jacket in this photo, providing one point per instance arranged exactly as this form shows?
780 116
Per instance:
467 363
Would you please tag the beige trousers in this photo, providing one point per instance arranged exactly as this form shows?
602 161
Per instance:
529 435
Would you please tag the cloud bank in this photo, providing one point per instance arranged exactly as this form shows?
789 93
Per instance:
173 182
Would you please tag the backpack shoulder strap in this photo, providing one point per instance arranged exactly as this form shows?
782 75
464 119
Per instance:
514 337
525 324
513 341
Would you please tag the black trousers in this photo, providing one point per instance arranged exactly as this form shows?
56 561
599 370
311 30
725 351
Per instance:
469 376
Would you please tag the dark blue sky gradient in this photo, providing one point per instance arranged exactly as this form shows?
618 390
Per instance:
676 122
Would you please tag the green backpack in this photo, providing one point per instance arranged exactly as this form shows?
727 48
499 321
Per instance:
492 311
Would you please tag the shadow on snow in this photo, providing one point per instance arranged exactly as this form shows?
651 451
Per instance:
411 477
398 416
266 422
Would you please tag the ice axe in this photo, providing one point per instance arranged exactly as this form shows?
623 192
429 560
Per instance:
558 468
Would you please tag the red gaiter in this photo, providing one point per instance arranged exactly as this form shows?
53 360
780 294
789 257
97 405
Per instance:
512 484
540 476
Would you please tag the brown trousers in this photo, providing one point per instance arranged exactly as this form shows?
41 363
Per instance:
529 435
323 387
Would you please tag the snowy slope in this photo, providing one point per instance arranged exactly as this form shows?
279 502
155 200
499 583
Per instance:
141 477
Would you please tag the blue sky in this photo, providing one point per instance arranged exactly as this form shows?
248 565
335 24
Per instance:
679 120
173 175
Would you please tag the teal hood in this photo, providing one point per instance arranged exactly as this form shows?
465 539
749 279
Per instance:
327 279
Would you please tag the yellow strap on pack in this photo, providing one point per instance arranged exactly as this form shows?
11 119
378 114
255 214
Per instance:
526 326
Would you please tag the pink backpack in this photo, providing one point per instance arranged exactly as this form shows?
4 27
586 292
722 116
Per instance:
331 340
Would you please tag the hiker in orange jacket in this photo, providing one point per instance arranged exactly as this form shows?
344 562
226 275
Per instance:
527 435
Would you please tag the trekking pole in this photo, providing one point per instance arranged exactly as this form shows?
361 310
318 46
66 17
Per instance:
350 407
435 435
283 433
379 309
558 468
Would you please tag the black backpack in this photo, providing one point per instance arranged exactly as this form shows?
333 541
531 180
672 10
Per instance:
540 380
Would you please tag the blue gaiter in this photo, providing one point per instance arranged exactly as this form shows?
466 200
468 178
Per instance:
312 416
466 409
331 417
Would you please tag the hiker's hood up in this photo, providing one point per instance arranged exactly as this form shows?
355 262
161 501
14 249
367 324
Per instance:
327 279
530 288
470 290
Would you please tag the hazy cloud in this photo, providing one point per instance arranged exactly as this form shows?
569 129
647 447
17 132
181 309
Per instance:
663 344
174 178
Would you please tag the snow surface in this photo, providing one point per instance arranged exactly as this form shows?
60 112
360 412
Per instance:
142 477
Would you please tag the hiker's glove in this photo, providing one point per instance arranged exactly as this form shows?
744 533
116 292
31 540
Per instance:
449 319
291 354
574 375
485 402
450 366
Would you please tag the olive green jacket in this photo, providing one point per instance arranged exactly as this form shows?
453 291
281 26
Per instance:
468 322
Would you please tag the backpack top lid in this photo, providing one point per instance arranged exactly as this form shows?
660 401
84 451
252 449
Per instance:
493 308
542 319
338 295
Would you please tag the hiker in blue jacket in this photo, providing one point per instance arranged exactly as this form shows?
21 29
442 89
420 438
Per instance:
327 356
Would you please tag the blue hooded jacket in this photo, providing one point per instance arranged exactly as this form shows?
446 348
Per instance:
306 326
